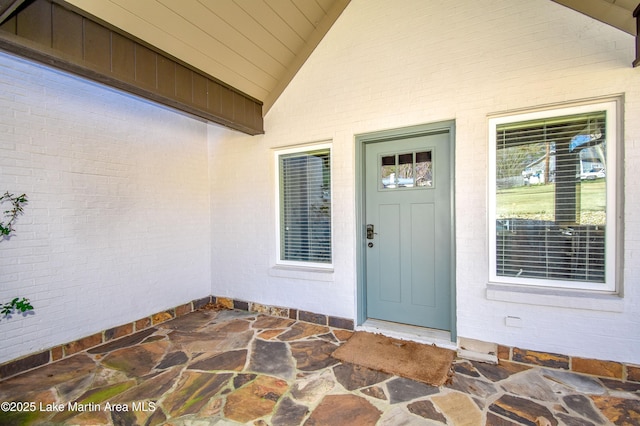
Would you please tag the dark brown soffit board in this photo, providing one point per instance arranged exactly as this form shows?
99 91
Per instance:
636 14
7 7
59 35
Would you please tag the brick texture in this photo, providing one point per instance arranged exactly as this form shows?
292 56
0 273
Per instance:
312 317
134 208
387 65
117 332
24 364
504 352
633 373
57 353
162 317
183 309
544 359
597 368
143 323
117 224
82 344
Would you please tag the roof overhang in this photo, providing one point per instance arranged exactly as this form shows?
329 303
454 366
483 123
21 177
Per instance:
59 35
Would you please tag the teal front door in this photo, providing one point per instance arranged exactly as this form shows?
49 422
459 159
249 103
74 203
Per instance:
408 230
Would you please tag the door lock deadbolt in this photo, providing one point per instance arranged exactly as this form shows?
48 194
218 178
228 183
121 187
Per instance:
370 232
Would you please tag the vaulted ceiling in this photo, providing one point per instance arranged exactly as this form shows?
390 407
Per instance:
257 46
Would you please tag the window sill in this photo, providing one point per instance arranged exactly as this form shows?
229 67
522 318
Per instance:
563 298
302 273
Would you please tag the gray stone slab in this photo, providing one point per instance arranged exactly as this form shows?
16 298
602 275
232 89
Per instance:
171 359
232 315
272 358
472 386
523 410
583 406
427 410
574 421
402 390
532 385
313 355
232 361
312 388
289 413
576 382
398 416
353 376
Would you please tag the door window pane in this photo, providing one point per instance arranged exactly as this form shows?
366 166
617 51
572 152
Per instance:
424 171
388 171
406 170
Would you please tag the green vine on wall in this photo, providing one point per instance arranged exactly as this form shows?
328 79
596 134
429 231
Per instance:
12 214
17 304
6 228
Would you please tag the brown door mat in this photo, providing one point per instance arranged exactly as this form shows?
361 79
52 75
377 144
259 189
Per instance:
424 363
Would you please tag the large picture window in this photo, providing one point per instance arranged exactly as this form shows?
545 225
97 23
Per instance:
304 206
552 210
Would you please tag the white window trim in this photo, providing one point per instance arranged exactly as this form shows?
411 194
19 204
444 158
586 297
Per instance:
611 106
291 150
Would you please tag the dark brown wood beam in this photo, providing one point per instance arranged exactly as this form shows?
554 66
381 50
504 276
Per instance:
636 14
57 34
7 7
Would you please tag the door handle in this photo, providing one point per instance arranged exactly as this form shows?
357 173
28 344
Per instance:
370 232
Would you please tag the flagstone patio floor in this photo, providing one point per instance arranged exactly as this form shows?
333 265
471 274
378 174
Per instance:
230 367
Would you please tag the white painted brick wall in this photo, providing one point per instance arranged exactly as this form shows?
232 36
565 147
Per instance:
118 221
392 64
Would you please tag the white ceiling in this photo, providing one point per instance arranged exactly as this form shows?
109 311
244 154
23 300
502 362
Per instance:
257 46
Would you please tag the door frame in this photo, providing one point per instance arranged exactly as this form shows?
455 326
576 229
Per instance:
361 142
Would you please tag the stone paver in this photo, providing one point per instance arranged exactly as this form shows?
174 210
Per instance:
233 367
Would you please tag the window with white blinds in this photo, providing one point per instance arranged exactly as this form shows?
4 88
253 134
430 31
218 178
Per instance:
305 206
552 206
